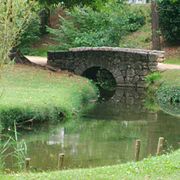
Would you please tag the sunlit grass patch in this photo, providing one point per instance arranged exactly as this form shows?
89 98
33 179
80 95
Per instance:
33 93
173 60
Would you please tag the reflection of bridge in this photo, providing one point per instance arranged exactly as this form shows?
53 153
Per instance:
127 66
127 104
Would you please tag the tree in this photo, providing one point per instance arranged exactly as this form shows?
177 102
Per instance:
169 19
14 16
155 26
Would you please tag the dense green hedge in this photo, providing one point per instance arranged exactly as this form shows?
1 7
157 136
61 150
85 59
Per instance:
169 13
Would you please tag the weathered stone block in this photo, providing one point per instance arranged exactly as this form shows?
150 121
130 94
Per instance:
130 72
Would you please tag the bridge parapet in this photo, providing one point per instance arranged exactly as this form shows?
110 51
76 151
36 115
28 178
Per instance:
128 66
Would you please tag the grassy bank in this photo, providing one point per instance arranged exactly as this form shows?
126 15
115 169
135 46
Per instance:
162 167
40 95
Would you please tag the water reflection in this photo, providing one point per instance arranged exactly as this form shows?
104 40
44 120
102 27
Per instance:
57 138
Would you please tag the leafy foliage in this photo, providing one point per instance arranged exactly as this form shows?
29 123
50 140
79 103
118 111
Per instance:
169 99
165 90
86 27
30 35
71 3
169 13
152 78
14 17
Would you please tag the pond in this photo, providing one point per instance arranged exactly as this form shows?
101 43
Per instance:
103 136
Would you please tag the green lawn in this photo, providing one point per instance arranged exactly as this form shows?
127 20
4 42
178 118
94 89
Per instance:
171 77
162 167
33 93
173 60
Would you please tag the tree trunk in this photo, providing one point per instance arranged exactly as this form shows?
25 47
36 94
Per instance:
18 58
155 26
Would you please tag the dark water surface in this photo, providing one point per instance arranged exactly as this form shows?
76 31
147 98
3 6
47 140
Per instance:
104 136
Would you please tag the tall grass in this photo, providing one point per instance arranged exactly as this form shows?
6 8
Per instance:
12 147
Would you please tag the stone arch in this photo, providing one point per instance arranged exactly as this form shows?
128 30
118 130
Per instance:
128 66
104 80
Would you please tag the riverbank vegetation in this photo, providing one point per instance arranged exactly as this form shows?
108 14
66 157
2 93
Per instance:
161 167
168 95
164 91
30 93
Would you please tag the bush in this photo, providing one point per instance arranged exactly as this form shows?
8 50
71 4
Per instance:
14 16
70 3
152 78
86 27
169 14
169 99
30 35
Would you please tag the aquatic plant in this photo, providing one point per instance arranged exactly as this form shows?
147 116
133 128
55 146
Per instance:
12 147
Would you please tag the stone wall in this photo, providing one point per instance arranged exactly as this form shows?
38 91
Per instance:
128 66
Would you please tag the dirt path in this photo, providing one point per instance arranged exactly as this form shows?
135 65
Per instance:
43 61
163 67
37 60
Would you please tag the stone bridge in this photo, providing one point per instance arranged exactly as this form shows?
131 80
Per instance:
128 67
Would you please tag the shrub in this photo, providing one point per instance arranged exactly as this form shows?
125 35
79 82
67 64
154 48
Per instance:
169 14
30 35
86 27
169 94
152 78
14 16
71 3
169 99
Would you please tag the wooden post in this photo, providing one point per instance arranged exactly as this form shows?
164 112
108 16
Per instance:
160 145
137 149
156 44
60 161
27 163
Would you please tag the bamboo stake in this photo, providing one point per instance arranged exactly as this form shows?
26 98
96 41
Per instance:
137 149
60 161
160 145
27 163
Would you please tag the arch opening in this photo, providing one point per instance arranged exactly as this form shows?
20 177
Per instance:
103 79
